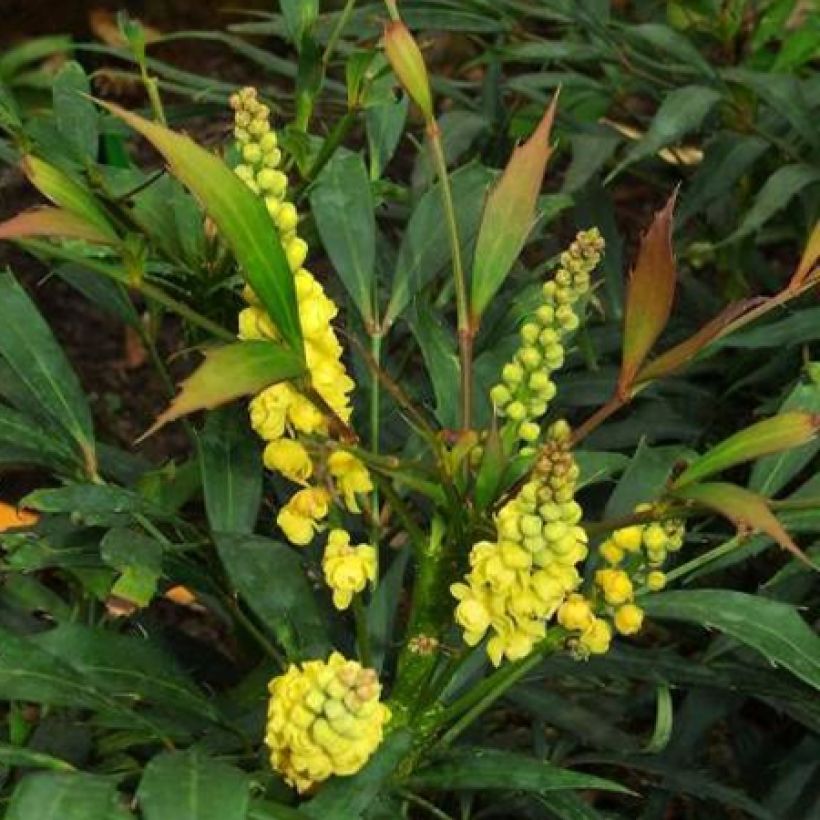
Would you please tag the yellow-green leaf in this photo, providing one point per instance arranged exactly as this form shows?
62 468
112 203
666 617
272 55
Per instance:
407 62
53 222
649 295
509 214
781 432
240 216
228 372
809 260
57 186
748 511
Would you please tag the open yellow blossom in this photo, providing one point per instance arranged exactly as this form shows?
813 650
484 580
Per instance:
299 518
347 569
289 458
351 477
324 719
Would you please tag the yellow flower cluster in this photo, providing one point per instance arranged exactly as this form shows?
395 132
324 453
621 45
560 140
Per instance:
526 388
519 581
324 719
634 556
281 412
347 569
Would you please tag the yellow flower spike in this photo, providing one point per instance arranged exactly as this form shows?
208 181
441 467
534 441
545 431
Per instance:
347 569
299 518
289 458
351 477
324 719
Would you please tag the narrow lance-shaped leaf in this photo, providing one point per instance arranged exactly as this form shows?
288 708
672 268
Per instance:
56 223
407 62
55 185
38 362
240 215
649 295
781 432
681 354
229 372
745 509
809 259
509 214
342 205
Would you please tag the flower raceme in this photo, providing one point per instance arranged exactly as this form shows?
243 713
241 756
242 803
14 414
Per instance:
281 413
324 718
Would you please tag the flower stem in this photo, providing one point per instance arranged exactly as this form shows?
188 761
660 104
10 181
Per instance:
337 32
362 632
375 350
466 329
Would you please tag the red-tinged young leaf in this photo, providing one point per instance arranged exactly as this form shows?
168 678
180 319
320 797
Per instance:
53 184
809 260
240 216
55 223
649 295
406 60
748 511
681 354
781 432
509 214
228 373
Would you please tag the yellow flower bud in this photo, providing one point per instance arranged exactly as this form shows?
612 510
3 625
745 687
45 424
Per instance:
575 613
628 619
628 538
611 552
615 584
596 639
655 538
656 580
299 518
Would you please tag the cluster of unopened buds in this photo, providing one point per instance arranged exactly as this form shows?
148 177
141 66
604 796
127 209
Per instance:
324 718
526 387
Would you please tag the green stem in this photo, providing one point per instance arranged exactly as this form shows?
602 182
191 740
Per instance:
336 33
146 288
466 329
696 563
375 350
362 632
332 141
432 810
475 702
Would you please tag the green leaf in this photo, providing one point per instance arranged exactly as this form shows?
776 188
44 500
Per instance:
509 214
231 464
424 249
771 473
190 786
271 579
108 295
53 222
649 295
30 51
669 42
772 628
590 152
778 190
93 502
77 117
300 15
138 558
62 190
19 430
123 665
385 126
342 205
465 768
31 759
681 112
37 361
644 478
348 798
784 94
230 372
782 432
240 215
52 796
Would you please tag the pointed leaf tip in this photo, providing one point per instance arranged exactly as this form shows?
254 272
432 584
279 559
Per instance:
649 295
510 213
